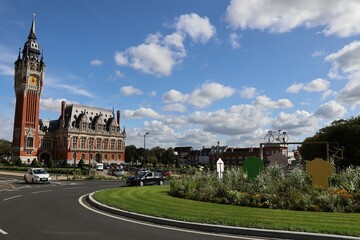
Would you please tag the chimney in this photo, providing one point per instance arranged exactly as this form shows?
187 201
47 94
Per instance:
63 106
118 117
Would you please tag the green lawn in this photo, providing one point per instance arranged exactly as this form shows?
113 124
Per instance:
154 200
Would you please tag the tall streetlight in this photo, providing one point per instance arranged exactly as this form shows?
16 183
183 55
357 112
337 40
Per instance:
69 146
145 136
144 143
90 147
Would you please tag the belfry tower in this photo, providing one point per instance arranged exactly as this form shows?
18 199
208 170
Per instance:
29 76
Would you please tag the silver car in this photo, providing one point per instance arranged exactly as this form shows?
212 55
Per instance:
37 175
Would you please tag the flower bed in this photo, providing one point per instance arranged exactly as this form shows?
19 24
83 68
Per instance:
273 188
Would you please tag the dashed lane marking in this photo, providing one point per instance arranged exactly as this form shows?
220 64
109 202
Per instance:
3 232
17 196
41 191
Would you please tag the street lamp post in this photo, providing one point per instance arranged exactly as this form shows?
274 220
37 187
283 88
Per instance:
90 146
75 159
144 143
74 152
144 138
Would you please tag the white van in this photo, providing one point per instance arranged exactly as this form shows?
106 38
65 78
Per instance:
99 167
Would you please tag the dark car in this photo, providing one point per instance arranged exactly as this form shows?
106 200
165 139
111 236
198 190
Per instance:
144 178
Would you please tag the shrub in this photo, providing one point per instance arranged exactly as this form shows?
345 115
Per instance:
81 163
18 162
49 163
34 163
273 188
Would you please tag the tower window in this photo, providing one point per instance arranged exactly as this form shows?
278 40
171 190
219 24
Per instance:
30 142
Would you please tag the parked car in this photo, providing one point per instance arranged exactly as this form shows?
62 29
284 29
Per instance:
116 172
166 173
37 175
144 178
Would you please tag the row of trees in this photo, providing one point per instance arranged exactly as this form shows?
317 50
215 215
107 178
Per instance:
345 133
154 156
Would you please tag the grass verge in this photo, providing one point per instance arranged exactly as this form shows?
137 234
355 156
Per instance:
155 201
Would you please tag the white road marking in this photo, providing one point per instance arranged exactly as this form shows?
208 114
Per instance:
41 191
3 232
73 188
17 196
164 227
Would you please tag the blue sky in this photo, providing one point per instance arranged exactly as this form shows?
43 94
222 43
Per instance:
192 73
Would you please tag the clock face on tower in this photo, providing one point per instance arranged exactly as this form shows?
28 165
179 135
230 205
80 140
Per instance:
33 80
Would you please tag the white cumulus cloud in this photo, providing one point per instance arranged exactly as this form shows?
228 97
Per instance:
234 40
158 55
130 90
330 110
346 60
268 103
140 113
339 18
198 28
96 62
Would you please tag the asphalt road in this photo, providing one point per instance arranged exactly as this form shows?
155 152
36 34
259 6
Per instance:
52 211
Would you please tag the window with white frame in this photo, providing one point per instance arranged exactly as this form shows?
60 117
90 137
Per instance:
74 142
98 143
112 144
83 142
106 144
91 143
119 143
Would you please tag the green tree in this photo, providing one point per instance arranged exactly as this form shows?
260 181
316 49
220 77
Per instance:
131 153
5 147
345 133
158 152
169 156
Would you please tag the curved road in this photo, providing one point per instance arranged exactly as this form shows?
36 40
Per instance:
52 211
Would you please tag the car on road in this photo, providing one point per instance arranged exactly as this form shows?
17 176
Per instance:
146 178
116 172
37 175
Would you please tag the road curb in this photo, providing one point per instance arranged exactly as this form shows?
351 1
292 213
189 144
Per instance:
216 228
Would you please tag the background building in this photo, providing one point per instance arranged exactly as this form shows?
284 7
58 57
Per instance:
80 132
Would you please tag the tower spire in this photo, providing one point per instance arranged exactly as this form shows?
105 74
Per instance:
31 47
32 34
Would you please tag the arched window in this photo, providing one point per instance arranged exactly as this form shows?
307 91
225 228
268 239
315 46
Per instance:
30 142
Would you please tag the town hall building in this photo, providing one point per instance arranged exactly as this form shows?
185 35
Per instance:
81 132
